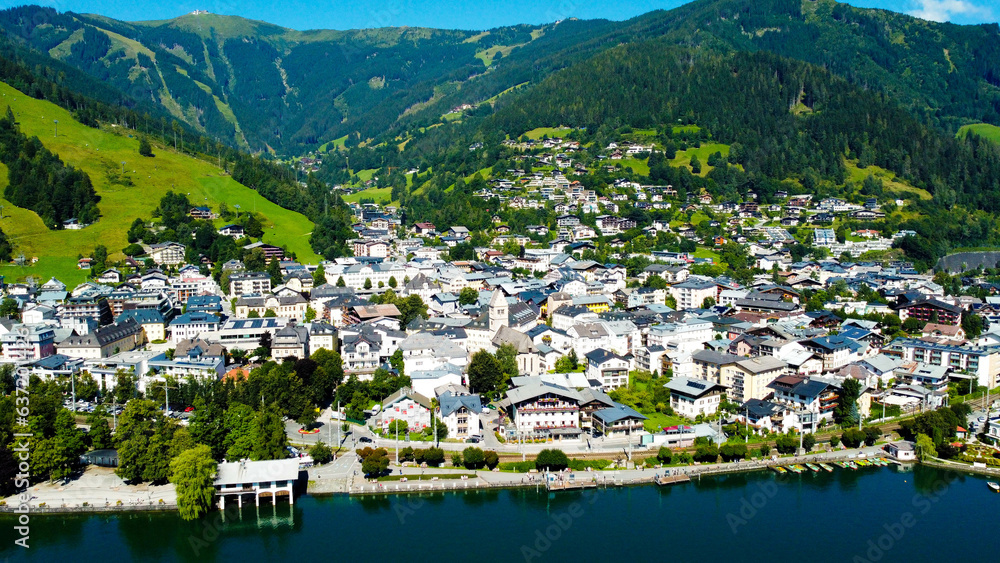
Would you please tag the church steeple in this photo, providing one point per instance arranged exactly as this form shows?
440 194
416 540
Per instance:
499 311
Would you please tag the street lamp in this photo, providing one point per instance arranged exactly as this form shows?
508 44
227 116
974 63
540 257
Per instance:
56 122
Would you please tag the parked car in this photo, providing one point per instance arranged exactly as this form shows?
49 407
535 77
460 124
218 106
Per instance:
365 440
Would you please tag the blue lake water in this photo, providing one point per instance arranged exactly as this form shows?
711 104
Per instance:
873 514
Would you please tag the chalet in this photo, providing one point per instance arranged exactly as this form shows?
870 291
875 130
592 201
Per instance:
692 397
234 231
201 213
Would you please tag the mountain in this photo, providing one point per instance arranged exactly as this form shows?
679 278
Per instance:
268 88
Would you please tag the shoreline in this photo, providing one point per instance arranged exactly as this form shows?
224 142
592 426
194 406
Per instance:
596 481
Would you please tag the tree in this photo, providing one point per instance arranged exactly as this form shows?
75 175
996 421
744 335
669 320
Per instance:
552 460
133 437
808 441
319 277
852 437
708 303
100 431
485 373
193 474
491 459
9 308
434 456
145 149
310 314
274 270
972 324
834 441
872 434
253 228
925 447
846 411
238 423
913 324
473 458
368 283
468 296
664 455
270 440
321 453
341 282
398 426
765 450
392 282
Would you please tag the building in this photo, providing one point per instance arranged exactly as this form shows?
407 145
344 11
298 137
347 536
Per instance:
608 368
105 341
408 406
242 283
691 294
618 420
193 324
151 321
538 408
460 413
262 479
692 397
167 253
26 343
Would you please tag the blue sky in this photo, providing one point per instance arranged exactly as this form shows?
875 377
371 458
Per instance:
462 14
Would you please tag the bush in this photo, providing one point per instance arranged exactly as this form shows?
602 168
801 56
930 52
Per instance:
473 458
406 454
786 444
852 437
517 466
491 458
872 434
834 441
321 453
456 459
808 441
706 453
433 456
664 455
584 464
553 460
765 450
730 452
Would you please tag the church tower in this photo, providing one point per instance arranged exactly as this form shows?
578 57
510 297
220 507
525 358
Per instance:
499 311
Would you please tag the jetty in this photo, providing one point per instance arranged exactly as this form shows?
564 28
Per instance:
666 480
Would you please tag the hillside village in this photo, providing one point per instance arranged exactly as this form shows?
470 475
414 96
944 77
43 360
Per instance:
647 342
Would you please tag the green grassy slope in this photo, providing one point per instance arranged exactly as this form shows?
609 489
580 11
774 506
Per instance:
984 130
100 154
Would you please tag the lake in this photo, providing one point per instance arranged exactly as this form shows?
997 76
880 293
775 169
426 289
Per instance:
873 514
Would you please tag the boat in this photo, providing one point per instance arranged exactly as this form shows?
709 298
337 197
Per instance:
813 467
862 463
826 467
851 465
994 486
795 468
802 468
778 469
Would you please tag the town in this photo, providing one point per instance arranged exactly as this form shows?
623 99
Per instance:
595 331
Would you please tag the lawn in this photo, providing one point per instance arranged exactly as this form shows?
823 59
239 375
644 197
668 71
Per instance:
540 132
638 166
686 129
703 252
683 158
858 175
657 420
100 153
985 130
427 476
377 194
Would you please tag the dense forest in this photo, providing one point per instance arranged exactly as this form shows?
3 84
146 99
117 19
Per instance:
291 91
39 180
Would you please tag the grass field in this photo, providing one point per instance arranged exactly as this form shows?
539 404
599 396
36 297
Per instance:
377 194
888 178
985 130
538 133
683 158
657 420
100 153
640 167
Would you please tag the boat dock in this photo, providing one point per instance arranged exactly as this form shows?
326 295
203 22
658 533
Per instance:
664 480
569 485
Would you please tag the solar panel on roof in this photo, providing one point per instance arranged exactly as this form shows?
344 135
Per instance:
696 385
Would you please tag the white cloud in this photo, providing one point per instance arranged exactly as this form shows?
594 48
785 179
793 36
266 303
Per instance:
946 10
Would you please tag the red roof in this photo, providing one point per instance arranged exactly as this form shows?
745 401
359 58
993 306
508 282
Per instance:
960 429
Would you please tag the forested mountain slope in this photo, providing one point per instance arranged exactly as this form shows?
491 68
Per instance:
264 87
